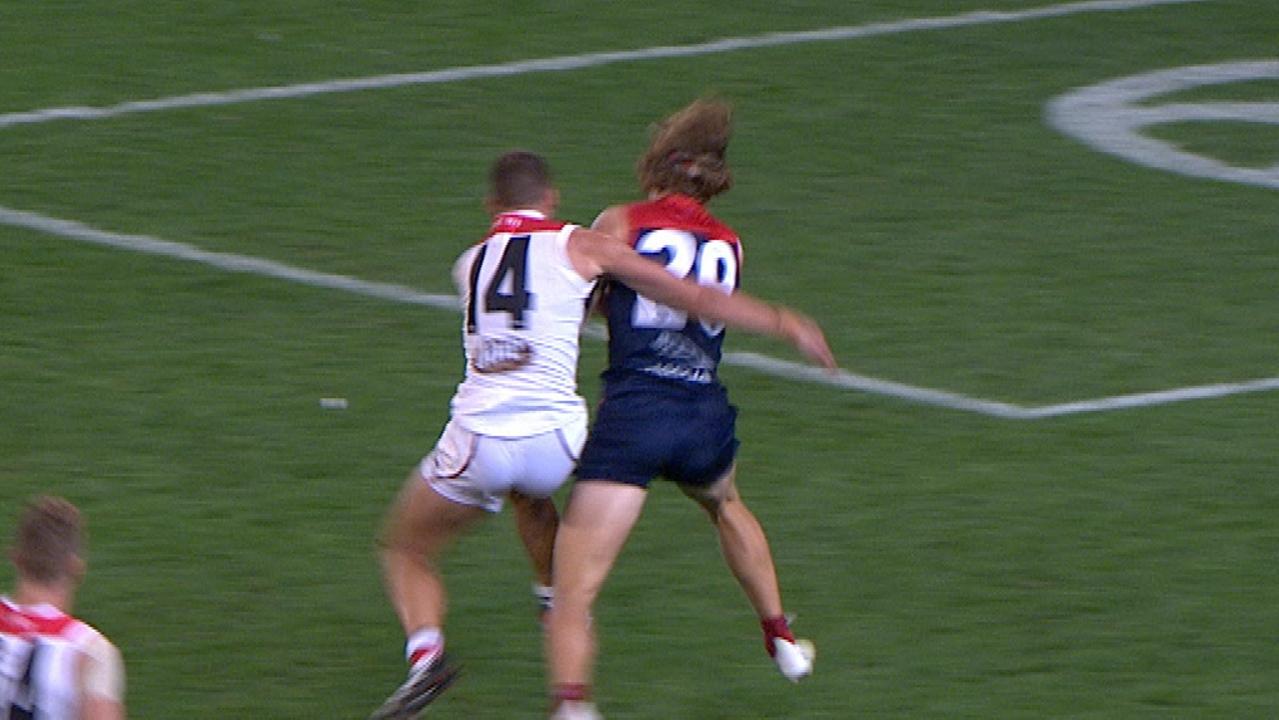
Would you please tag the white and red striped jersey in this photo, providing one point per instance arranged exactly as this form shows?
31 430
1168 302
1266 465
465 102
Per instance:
47 660
524 306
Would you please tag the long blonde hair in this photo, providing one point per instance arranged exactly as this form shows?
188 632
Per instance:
686 152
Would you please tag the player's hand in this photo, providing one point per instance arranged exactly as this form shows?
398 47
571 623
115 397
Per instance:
807 336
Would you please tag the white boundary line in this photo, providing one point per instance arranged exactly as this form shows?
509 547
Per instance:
246 264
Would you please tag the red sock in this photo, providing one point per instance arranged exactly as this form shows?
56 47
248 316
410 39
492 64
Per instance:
775 627
570 692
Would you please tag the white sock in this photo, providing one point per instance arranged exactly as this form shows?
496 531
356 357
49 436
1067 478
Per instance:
423 644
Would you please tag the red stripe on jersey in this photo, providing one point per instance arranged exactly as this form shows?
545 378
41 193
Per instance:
678 212
517 223
24 622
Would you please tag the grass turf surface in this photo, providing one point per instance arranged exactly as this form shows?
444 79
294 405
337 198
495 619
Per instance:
904 189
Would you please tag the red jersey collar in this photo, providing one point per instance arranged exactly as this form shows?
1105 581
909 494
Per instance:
523 220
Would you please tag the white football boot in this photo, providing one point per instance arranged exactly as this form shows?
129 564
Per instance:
794 659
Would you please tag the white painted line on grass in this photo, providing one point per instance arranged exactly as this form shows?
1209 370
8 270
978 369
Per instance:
577 62
1162 397
223 261
232 262
1113 117
852 381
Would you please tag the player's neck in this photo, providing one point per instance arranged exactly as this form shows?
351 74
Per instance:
57 594
659 194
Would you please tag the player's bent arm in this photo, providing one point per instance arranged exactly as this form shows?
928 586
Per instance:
598 253
102 681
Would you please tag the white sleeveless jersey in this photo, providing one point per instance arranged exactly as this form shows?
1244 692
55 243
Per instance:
524 306
42 651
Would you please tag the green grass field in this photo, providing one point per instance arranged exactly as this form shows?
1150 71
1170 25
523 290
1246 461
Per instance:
903 187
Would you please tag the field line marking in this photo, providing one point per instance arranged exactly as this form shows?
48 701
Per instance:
236 263
1161 397
232 262
577 62
876 386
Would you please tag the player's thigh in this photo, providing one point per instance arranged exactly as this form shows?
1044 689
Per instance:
593 530
424 520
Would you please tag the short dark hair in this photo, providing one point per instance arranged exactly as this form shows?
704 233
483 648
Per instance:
519 179
50 533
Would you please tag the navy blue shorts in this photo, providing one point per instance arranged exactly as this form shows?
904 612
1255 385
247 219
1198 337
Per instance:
645 429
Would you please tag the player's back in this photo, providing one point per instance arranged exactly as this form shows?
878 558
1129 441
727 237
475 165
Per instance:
524 306
653 341
41 652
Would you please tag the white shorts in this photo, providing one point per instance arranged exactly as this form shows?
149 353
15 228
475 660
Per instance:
479 470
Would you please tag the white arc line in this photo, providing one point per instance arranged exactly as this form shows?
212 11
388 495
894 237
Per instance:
577 62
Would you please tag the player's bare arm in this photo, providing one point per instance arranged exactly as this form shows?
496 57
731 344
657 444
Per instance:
595 253
102 681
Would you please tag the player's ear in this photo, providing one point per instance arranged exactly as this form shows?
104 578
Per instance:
551 199
77 567
490 204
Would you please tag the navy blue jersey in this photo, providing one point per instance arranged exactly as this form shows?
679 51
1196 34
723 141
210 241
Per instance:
657 341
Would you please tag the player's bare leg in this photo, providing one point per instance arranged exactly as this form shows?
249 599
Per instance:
742 541
594 528
420 525
749 557
536 520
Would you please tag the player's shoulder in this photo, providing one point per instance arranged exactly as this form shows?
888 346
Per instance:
44 621
612 220
680 212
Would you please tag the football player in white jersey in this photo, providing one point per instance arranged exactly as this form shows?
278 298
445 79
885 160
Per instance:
518 423
53 666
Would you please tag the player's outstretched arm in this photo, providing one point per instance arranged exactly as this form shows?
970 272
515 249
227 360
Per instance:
595 253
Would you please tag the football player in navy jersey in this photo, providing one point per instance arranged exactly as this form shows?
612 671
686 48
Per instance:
664 412
517 422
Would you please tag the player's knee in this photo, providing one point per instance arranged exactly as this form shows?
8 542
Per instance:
712 498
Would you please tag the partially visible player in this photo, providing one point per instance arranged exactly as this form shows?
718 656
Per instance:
664 412
517 421
53 666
